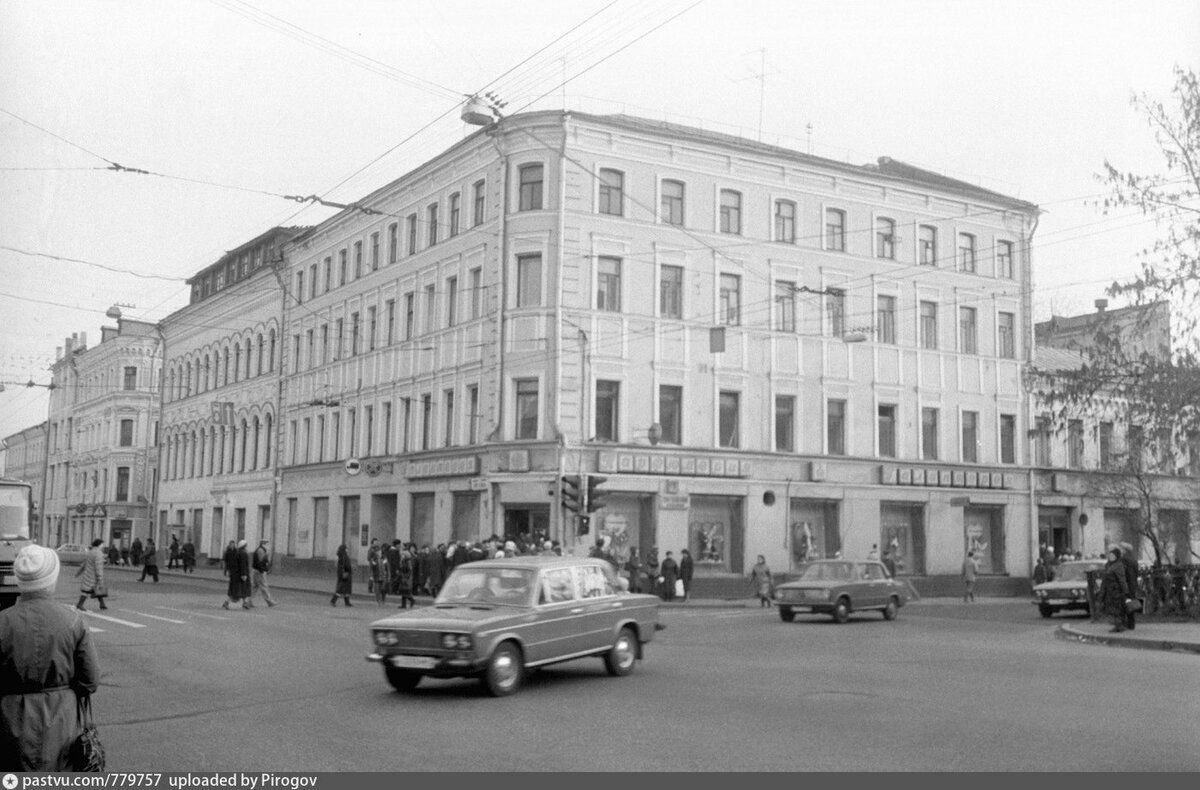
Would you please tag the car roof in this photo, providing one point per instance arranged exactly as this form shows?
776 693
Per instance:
535 562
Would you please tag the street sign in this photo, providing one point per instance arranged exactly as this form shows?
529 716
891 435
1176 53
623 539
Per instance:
960 501
353 467
478 484
373 467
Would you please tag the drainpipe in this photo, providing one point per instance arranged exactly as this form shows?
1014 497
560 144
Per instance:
557 524
1027 242
158 467
498 430
281 383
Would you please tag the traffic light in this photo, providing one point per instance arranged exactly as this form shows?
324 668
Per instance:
572 496
585 524
595 497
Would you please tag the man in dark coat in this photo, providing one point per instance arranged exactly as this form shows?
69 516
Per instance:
669 570
173 553
135 552
239 577
686 569
652 570
344 570
437 569
1131 580
149 561
229 558
393 560
188 554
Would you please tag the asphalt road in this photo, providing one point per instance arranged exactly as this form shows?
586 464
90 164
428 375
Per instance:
187 686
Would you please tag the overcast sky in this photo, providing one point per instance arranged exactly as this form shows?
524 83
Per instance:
232 104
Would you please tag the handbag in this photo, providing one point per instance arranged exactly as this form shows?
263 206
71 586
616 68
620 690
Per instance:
1133 605
100 591
679 587
87 753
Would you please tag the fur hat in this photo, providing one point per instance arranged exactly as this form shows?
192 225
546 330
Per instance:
241 544
36 568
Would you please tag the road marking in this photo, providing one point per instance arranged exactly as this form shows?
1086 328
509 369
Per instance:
154 616
194 614
111 619
95 630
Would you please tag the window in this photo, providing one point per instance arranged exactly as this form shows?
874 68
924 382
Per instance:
670 292
354 334
927 245
885 319
785 423
312 357
527 408
785 221
607 410
611 199
885 238
967 330
341 270
1008 438
369 429
387 427
430 308
393 243
411 227
608 285
835 427
477 219
130 382
358 260
122 483
785 306
530 185
476 292
299 287
835 311
295 356
409 315
324 343
473 414
448 400
374 251
529 280
835 229
1193 453
1106 445
321 436
966 252
670 413
455 211
126 438
371 324
406 436
451 301
338 336
431 219
929 327
731 211
728 428
426 420
886 424
731 297
390 307
671 207
929 434
1004 259
1075 443
352 429
970 437
1005 338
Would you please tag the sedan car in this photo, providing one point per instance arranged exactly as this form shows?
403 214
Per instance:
839 588
72 553
1068 590
495 619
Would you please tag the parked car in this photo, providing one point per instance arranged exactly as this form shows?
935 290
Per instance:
495 619
72 553
839 588
1068 591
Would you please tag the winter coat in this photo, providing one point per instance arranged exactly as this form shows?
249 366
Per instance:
760 576
135 552
437 569
345 573
686 568
92 571
46 658
239 576
150 556
1114 589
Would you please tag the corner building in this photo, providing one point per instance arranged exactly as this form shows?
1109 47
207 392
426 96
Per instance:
764 352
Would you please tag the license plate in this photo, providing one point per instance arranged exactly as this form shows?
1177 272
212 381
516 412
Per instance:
814 595
9 580
414 662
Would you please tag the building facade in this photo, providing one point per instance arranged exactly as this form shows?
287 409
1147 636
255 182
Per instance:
217 456
762 352
24 458
103 419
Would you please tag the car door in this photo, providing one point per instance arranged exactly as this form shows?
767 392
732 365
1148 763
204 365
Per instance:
554 624
601 605
869 584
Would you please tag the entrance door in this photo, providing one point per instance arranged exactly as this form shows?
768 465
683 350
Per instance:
1054 529
526 520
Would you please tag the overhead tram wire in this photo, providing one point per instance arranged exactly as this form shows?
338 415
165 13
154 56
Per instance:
115 270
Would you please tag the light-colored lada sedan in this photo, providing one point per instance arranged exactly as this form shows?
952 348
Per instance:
494 619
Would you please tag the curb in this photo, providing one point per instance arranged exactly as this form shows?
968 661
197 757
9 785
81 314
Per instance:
1068 633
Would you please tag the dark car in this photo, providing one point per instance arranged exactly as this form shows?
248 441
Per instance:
1068 591
839 588
494 619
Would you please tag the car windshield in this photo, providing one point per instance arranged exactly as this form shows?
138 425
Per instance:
1075 572
504 586
827 571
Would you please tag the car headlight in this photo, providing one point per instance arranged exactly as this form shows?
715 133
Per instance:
384 638
456 641
1041 593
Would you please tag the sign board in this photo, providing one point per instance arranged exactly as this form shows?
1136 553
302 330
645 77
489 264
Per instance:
478 484
373 467
353 467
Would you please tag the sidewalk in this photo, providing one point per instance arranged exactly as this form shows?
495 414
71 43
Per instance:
1177 636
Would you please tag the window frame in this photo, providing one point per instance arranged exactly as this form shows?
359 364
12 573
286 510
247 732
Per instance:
927 318
729 299
672 430
528 292
967 256
835 426
885 238
608 284
610 192
927 244
529 189
730 215
785 225
886 449
968 330
885 318
834 237
670 289
607 401
785 423
667 204
729 419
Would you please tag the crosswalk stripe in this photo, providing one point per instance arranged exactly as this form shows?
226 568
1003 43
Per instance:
95 630
194 614
111 619
153 616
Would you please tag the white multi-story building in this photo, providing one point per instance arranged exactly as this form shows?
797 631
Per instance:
103 417
23 457
674 310
218 460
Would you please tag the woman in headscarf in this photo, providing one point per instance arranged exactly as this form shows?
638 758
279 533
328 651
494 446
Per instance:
47 662
345 576
764 585
1114 589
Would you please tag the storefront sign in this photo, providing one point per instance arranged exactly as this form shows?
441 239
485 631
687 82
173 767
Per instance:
654 463
673 501
477 484
941 478
444 467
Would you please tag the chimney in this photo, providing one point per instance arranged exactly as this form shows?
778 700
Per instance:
83 340
1101 304
58 352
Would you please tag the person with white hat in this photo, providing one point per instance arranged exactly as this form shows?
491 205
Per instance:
47 661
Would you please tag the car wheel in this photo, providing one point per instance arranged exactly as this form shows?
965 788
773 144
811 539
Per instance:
621 656
401 679
504 670
1045 609
891 610
786 615
841 610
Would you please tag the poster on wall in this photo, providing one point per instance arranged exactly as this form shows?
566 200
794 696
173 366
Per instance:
615 534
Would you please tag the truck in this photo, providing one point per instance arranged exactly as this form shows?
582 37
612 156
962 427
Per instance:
16 509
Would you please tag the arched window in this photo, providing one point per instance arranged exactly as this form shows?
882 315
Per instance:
254 455
187 390
248 357
225 378
207 373
271 352
267 438
242 449
262 350
237 361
